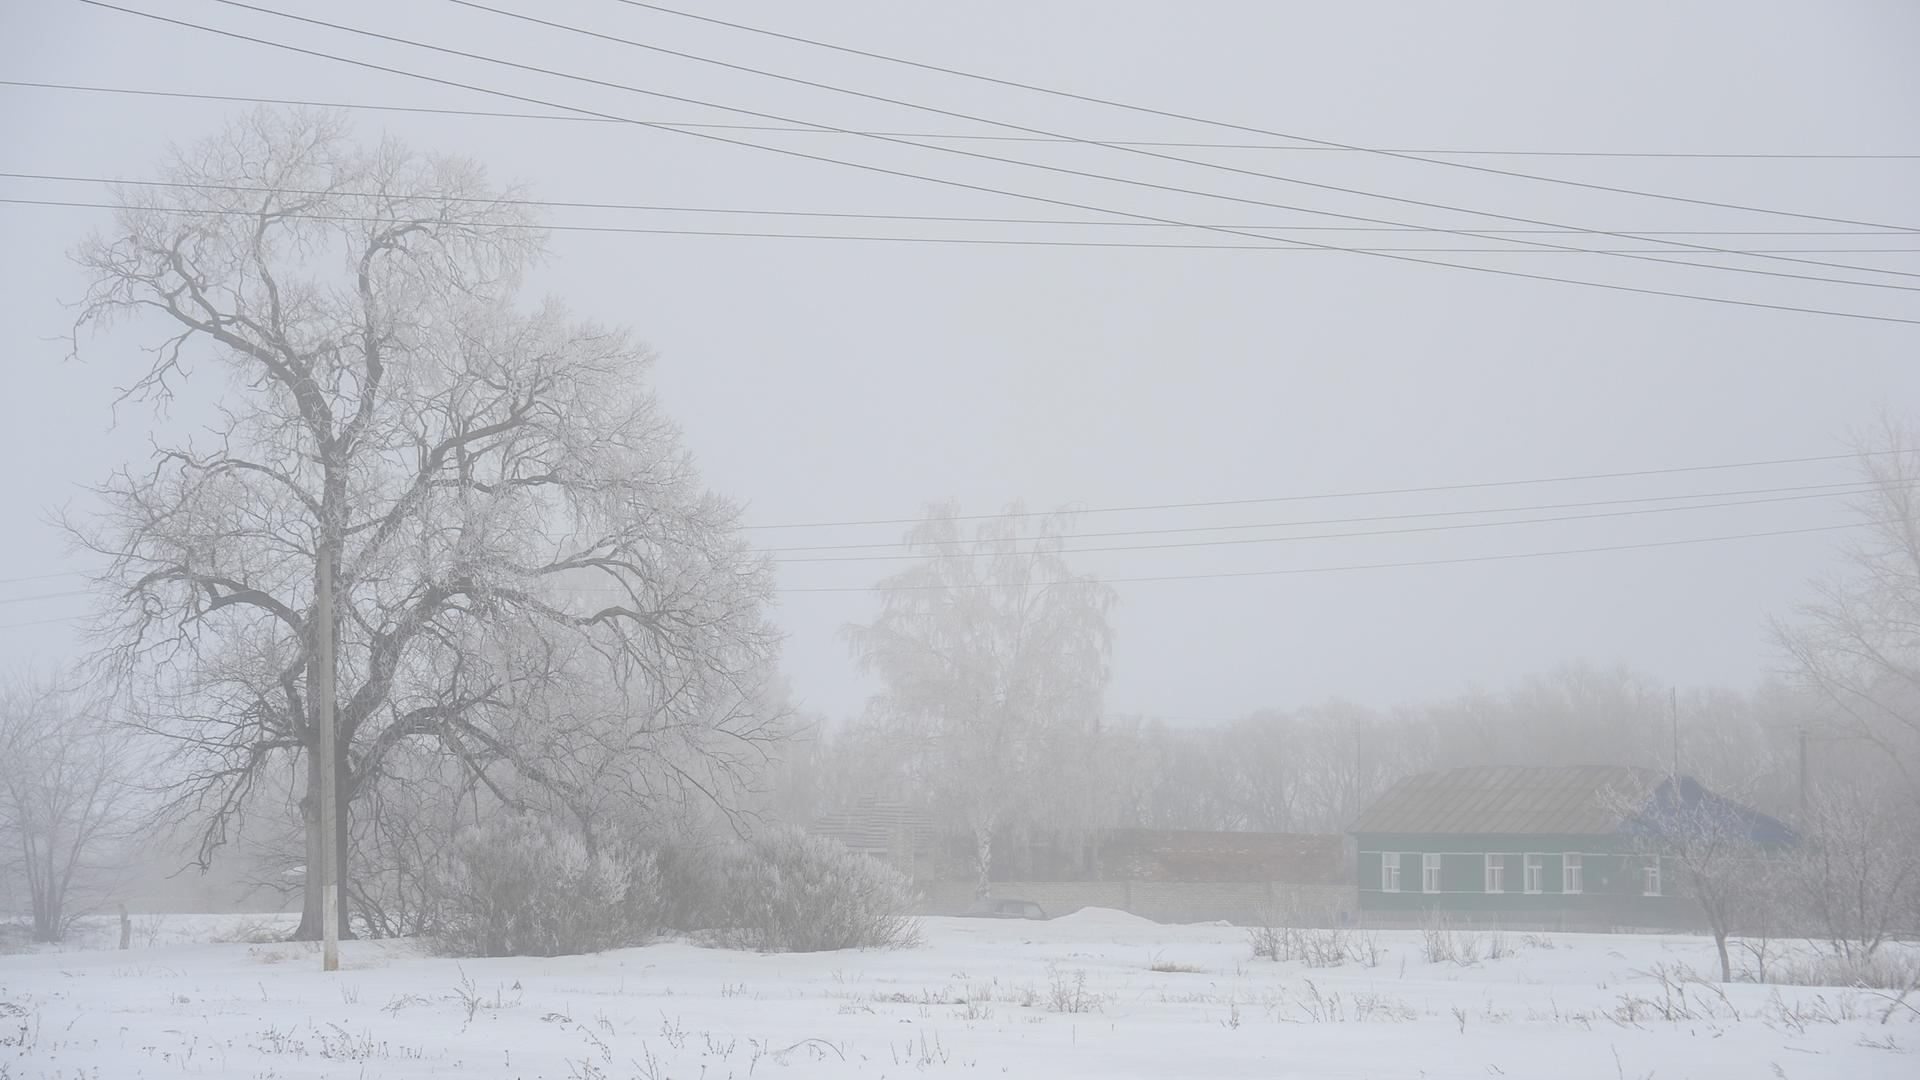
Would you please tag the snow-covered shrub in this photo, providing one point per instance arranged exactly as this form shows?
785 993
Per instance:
403 830
691 892
786 891
523 885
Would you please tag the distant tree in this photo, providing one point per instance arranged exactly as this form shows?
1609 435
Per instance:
1312 769
992 660
1315 768
1158 777
68 800
1727 861
528 574
1257 762
1856 643
1857 870
1350 755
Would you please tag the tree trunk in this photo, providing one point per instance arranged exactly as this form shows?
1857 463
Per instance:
1726 965
310 906
309 928
48 899
983 862
342 837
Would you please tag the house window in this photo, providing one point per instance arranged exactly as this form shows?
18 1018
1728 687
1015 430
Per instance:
1429 873
1650 878
1572 877
1496 873
1536 872
1389 871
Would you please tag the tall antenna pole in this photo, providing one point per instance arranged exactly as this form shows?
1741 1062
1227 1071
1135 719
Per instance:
1673 714
1803 773
329 810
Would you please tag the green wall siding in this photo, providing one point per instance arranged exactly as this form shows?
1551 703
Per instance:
1612 885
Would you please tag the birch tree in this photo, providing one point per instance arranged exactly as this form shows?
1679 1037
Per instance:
1856 642
505 507
992 658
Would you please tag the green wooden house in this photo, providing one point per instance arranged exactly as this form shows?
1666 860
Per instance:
1530 846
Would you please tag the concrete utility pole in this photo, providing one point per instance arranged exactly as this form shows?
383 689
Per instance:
329 810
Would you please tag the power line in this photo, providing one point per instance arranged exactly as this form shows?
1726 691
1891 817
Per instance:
1851 488
41 622
882 239
957 136
576 204
43 577
1342 189
963 185
1241 541
1335 569
1830 490
1172 115
1287 572
45 596
1477 485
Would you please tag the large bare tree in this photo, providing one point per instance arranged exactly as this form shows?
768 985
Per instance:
992 659
505 507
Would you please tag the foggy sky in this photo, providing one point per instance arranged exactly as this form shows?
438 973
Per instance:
823 381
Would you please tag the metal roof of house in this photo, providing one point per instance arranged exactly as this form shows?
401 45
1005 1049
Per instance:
1495 799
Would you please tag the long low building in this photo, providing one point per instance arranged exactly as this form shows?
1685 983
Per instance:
1165 874
1180 876
1533 846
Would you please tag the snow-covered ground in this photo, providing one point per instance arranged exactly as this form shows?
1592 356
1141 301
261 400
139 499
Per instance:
1076 997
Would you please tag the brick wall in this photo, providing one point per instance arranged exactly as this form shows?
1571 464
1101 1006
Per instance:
1239 902
1189 856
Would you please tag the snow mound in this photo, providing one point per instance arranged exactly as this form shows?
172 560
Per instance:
1103 918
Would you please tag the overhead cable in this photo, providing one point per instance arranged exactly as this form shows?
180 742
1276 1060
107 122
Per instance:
963 185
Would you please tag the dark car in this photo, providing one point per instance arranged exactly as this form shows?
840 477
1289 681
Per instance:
1006 909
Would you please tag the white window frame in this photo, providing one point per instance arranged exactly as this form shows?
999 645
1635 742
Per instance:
1390 871
1496 872
1533 872
1430 872
1573 873
1650 877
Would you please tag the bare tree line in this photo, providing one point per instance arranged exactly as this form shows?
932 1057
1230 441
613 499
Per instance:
70 800
1829 743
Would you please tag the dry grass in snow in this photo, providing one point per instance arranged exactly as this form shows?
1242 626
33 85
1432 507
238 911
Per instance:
1096 994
